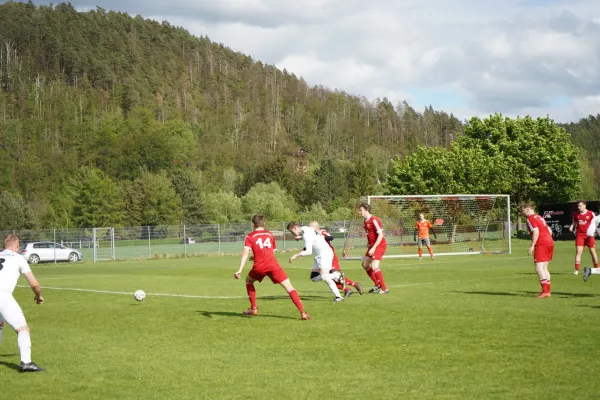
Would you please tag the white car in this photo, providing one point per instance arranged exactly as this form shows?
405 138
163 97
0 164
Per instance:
36 252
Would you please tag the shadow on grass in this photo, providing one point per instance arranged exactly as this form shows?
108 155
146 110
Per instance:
304 297
588 306
568 295
10 365
491 293
210 314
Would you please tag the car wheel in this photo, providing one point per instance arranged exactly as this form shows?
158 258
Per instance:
73 257
34 259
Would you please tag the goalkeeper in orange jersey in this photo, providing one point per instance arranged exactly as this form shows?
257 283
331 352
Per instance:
422 228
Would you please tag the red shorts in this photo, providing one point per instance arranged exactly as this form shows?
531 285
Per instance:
379 252
336 263
543 253
588 241
275 273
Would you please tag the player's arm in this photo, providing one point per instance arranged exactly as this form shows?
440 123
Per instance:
307 247
572 227
432 231
415 235
35 286
535 234
378 240
243 260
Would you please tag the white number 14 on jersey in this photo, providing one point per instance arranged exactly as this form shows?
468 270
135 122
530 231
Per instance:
266 243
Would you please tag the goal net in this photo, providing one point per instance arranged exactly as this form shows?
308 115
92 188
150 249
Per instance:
463 224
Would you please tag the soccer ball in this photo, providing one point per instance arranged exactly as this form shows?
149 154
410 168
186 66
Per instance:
139 295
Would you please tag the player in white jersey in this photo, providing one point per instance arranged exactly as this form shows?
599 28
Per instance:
12 265
592 231
315 243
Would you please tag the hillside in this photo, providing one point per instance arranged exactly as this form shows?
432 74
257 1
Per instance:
98 109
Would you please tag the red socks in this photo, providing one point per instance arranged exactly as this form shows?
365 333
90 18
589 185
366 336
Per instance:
381 282
372 275
296 299
577 266
251 293
545 285
595 265
430 250
349 282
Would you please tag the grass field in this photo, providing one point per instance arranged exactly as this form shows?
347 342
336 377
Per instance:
463 327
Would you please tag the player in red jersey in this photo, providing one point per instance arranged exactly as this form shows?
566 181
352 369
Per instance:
262 244
542 246
377 245
581 222
422 228
343 282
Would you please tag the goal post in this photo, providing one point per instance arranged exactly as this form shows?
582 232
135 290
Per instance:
463 224
103 243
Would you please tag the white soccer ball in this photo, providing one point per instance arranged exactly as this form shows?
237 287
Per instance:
139 295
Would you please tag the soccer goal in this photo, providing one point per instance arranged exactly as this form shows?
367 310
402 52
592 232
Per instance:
103 240
464 224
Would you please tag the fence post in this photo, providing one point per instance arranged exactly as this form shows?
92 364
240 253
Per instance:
184 240
149 244
219 236
283 230
54 230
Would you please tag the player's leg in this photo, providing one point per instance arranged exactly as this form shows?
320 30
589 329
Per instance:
420 249
287 285
366 264
539 269
13 315
377 257
252 277
1 327
547 275
429 249
377 271
578 253
326 276
591 244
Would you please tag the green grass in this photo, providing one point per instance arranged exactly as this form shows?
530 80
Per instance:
463 327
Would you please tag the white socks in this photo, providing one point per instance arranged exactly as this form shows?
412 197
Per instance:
331 284
24 341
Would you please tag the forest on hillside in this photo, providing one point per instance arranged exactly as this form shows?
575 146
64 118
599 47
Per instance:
108 119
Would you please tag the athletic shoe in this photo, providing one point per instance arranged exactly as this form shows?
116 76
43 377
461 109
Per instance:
576 272
359 288
342 280
587 271
420 258
337 299
432 257
374 289
29 367
543 295
251 311
304 316
381 291
348 293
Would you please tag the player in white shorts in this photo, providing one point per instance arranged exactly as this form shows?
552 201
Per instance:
12 264
315 243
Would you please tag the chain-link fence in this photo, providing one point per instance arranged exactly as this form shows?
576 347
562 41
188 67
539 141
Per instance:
145 242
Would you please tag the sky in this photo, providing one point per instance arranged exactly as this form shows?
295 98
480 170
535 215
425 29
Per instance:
468 57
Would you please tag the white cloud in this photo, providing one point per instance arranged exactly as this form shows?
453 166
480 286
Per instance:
510 56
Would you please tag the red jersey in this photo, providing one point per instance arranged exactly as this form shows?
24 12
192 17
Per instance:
582 222
373 227
262 243
535 221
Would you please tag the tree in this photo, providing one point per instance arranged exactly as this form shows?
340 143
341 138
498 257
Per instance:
15 214
152 200
97 200
544 162
270 200
188 187
223 207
